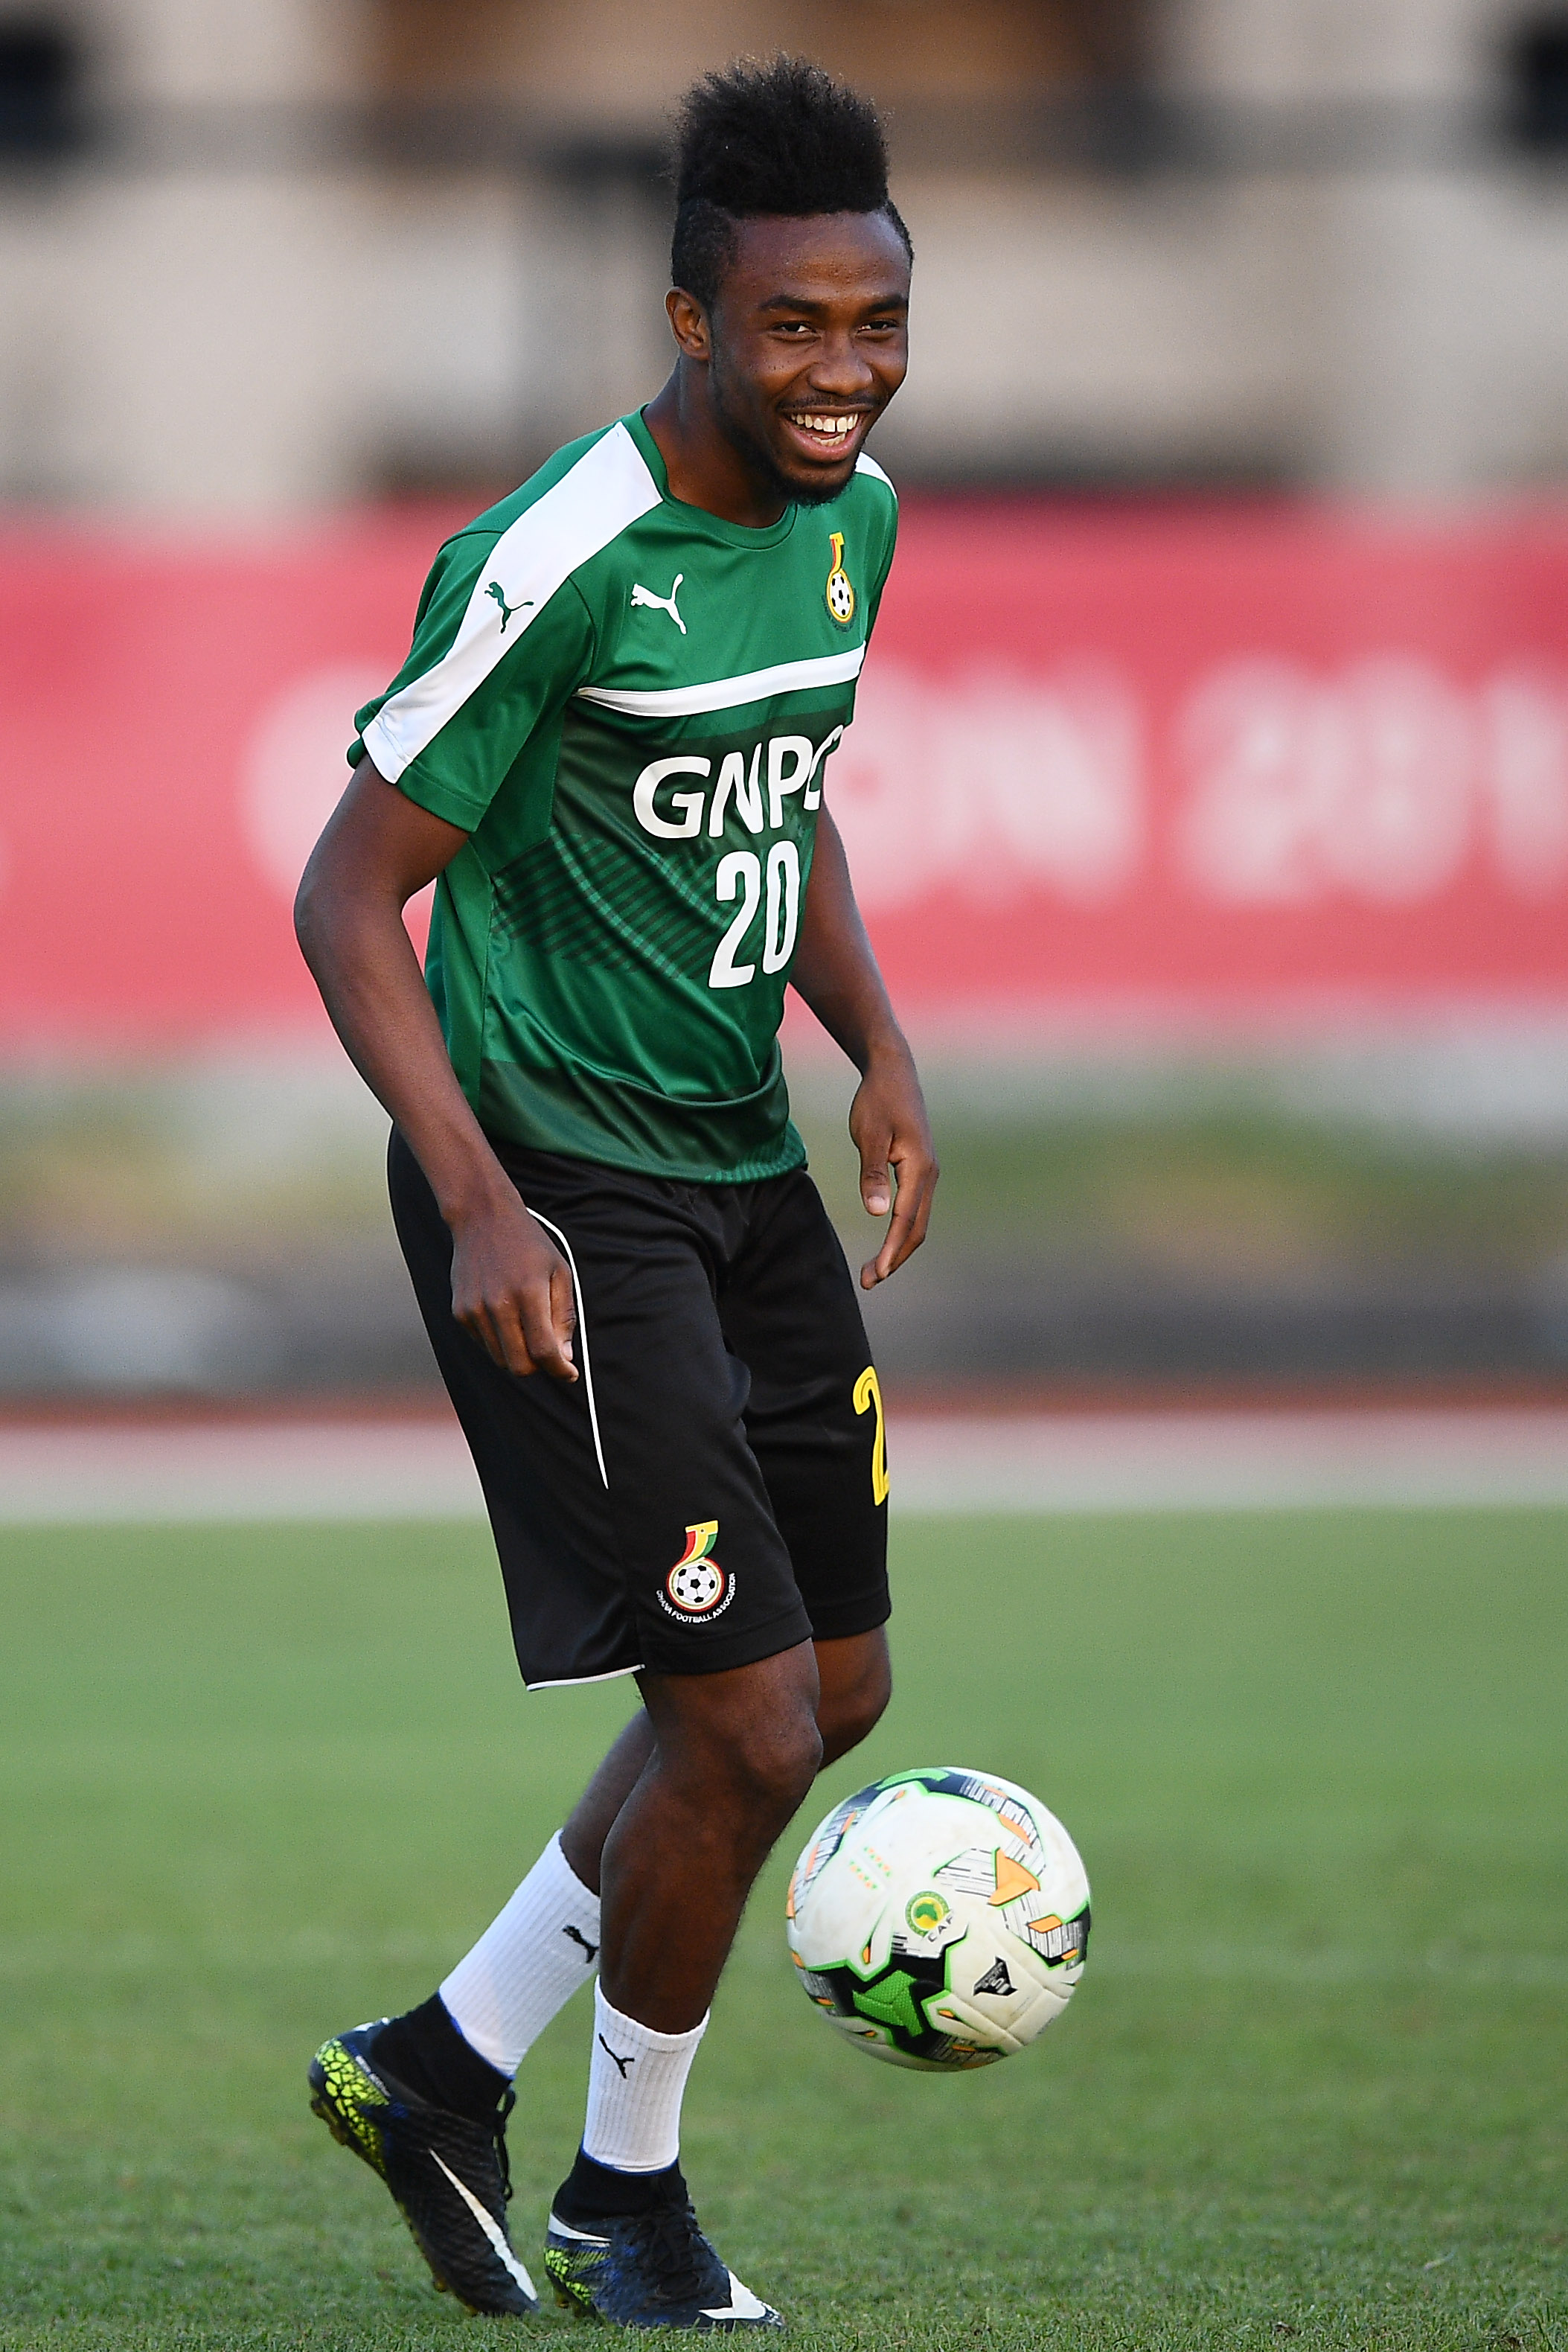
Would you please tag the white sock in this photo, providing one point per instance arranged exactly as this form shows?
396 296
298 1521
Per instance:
527 1963
635 2082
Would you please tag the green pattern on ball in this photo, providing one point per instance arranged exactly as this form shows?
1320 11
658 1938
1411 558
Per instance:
891 2001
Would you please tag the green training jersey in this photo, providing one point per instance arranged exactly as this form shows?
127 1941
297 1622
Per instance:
627 704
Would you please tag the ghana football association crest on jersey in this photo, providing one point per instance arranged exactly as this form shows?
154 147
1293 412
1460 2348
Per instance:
840 591
697 1588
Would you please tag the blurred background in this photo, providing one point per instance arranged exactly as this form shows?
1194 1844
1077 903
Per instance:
1208 802
1209 795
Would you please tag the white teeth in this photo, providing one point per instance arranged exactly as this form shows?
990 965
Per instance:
834 427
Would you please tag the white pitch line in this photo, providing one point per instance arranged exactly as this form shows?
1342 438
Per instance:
1231 1461
299 1470
267 1470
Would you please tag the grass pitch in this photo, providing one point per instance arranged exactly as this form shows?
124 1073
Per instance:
259 1784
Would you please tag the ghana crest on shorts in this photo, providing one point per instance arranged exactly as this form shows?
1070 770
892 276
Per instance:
628 704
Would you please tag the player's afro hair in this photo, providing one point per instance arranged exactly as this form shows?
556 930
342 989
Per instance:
783 138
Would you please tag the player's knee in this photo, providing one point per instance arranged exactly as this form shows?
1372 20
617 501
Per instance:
854 1715
852 1706
774 1763
745 1745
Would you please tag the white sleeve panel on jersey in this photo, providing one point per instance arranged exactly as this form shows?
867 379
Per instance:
607 489
865 464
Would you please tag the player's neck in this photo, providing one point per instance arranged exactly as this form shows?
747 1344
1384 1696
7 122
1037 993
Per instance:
704 467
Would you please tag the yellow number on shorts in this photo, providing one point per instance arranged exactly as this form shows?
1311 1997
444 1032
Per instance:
868 1392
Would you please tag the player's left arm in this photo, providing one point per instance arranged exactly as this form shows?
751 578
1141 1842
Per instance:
836 972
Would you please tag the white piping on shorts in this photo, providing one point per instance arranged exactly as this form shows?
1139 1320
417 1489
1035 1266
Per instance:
616 1673
587 1371
580 1682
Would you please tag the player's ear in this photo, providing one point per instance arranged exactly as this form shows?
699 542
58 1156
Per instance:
688 324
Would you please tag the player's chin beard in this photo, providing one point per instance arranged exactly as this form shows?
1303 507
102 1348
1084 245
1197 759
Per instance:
759 460
816 494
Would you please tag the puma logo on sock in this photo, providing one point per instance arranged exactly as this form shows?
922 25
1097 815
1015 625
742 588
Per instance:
622 2063
589 1951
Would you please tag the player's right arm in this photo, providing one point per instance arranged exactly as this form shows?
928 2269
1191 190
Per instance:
510 1287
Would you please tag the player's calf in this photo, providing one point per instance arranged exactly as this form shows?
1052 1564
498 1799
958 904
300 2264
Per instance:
735 1753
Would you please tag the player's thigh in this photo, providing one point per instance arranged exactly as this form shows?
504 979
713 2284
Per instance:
533 1445
814 1415
705 1569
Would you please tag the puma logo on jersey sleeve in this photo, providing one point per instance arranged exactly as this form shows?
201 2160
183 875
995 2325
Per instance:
494 589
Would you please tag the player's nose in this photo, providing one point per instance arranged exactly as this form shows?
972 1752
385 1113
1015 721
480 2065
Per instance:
842 370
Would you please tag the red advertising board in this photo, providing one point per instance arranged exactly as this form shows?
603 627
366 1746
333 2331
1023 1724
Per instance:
1200 763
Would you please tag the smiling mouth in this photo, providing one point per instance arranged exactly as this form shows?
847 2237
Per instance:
828 430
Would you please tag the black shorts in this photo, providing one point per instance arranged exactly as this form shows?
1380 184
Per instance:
713 1489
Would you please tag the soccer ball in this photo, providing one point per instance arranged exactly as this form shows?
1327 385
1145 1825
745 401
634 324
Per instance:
939 1919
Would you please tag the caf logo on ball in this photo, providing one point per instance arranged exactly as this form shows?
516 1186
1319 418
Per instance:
697 1586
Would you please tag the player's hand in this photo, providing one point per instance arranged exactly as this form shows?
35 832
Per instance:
511 1288
898 1160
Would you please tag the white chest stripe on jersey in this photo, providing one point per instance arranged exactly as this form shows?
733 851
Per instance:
727 693
607 489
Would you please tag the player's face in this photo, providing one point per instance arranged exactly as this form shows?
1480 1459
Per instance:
810 342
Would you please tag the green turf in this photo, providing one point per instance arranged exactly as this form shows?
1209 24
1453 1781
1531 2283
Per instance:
260 1784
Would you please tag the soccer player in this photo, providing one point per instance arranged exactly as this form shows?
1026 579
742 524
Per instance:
608 741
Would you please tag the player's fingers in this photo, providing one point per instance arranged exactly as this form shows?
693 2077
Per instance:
548 1320
876 1185
476 1322
895 1249
563 1317
512 1350
929 1172
907 1227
